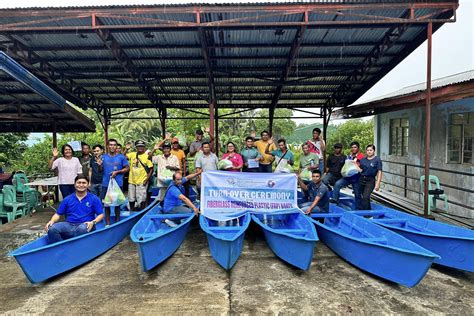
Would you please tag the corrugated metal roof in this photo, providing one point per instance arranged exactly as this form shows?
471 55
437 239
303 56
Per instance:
248 62
435 84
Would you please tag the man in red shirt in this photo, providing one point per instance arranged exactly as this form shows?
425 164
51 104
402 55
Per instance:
355 155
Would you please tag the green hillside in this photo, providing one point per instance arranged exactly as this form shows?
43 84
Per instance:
302 134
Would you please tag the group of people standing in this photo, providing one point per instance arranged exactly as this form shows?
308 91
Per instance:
145 169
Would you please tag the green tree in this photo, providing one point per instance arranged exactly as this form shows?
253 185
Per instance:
12 146
352 130
281 127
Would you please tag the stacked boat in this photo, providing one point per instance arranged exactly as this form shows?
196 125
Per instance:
41 260
390 244
290 235
454 245
225 238
373 248
159 235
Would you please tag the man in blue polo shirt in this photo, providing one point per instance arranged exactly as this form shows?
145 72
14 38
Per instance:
114 165
318 194
82 210
175 201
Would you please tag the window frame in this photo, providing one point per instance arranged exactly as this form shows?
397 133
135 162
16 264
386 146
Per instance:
402 136
462 126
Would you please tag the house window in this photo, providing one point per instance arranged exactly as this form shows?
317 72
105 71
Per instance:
460 138
399 131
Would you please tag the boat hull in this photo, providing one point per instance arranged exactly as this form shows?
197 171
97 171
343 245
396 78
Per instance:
294 245
41 261
161 242
454 252
225 243
454 245
386 255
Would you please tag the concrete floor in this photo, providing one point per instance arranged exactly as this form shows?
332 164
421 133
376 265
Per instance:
191 282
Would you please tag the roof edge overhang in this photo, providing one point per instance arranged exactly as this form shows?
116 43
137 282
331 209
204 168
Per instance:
452 92
19 73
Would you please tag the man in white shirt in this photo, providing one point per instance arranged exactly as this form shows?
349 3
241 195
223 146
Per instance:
163 162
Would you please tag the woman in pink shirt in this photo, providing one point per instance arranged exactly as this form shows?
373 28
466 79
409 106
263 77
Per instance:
235 158
68 168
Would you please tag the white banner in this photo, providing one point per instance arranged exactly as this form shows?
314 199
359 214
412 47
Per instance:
226 195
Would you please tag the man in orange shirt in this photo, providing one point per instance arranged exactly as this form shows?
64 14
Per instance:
265 165
175 150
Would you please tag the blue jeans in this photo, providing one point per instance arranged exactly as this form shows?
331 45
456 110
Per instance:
329 179
96 189
65 230
66 189
344 182
265 168
181 209
321 165
305 206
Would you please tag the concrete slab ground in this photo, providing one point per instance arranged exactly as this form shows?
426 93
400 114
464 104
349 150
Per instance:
190 282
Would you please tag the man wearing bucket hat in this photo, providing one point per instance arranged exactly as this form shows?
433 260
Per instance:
164 164
141 169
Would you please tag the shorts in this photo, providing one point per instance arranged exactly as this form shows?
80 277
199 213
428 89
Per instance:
137 193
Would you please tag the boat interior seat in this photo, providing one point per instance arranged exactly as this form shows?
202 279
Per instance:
146 235
166 216
293 231
224 227
391 220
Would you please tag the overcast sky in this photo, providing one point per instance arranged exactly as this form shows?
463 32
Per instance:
453 45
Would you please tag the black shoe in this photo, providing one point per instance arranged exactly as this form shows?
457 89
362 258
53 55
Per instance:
331 200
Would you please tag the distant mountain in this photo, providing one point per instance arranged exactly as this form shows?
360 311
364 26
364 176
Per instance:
301 134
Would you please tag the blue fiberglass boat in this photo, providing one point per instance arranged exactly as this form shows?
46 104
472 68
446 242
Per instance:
373 248
455 245
225 242
159 235
41 260
290 235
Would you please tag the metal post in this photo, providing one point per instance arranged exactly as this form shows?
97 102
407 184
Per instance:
325 128
106 128
163 115
271 114
211 118
55 136
406 180
427 212
216 134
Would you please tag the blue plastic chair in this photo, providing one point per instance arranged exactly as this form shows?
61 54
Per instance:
10 202
434 192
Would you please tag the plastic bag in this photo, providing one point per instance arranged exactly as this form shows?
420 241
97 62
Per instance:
306 175
166 177
114 195
349 169
283 167
224 164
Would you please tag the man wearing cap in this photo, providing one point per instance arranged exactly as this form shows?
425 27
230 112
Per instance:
196 145
335 162
163 162
141 169
178 152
